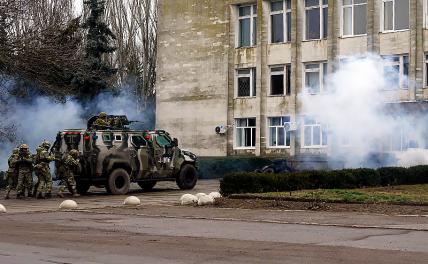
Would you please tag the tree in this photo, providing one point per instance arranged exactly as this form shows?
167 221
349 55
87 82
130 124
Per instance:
97 75
134 22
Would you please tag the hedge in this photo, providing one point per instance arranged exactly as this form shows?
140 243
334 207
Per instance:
215 168
235 183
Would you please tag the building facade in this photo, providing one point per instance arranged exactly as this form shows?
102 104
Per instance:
241 64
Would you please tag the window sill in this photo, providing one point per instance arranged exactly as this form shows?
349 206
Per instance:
244 148
353 36
279 43
315 147
278 95
271 147
310 40
246 47
246 97
393 31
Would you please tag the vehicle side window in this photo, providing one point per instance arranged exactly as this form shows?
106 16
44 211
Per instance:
138 141
117 137
106 138
163 141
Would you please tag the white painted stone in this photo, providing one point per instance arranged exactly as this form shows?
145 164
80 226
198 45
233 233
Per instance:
188 199
215 195
2 209
199 195
205 200
68 204
132 200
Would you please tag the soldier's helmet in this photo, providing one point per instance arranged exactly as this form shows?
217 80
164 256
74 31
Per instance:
46 144
102 115
74 153
23 147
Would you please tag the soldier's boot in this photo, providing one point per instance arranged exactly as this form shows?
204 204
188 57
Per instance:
19 195
30 193
48 195
7 197
60 194
40 195
76 195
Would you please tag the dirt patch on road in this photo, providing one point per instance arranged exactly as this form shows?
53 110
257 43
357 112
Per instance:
322 206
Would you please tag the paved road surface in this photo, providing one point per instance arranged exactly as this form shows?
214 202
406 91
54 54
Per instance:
159 231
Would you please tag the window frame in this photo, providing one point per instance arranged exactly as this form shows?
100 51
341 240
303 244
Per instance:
322 73
342 18
285 12
425 6
253 31
426 69
401 75
393 18
320 6
286 81
253 82
253 133
286 133
322 131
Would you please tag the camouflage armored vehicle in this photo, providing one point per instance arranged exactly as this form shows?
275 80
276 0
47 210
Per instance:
114 156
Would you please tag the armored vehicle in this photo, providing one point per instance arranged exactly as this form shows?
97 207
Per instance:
114 156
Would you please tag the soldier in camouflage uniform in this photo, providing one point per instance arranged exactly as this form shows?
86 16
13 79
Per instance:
102 121
24 166
43 187
71 164
11 175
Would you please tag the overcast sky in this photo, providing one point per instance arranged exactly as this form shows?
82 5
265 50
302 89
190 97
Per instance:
78 6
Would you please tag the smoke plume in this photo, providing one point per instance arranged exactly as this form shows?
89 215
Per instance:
356 112
32 120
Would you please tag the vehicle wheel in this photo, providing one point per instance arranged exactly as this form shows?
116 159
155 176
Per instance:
118 182
82 187
187 177
147 185
258 171
269 170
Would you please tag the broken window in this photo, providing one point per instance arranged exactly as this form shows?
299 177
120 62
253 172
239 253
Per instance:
247 26
354 17
280 80
245 132
395 15
246 82
314 134
396 71
316 13
315 77
280 12
278 135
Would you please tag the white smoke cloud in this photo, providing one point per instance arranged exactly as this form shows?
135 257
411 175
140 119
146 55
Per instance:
354 111
42 117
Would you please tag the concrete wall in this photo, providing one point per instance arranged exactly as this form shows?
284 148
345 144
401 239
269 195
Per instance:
192 73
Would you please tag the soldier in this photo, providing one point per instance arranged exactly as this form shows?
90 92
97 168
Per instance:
71 164
102 120
24 167
44 183
11 175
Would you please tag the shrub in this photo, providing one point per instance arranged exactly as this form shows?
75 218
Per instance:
244 182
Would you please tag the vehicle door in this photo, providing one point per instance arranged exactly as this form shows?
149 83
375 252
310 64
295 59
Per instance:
139 158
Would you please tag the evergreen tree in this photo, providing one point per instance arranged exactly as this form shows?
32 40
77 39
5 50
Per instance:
97 74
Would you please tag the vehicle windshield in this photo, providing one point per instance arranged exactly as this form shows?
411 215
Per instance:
138 141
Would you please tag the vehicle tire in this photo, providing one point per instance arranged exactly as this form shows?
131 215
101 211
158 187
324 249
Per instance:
269 170
147 185
82 187
258 171
187 177
118 182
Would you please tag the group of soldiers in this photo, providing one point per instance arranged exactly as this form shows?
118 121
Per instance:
22 164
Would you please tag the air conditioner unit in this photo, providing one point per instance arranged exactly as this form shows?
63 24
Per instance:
290 126
221 130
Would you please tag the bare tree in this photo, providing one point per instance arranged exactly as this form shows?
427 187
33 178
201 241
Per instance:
134 22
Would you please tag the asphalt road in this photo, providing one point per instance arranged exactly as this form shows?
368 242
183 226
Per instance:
160 231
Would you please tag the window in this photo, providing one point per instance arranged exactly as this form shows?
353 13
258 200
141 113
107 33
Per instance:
395 15
426 69
106 137
138 141
245 133
316 15
315 77
314 134
247 26
117 138
280 13
396 71
354 17
280 77
246 82
278 136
